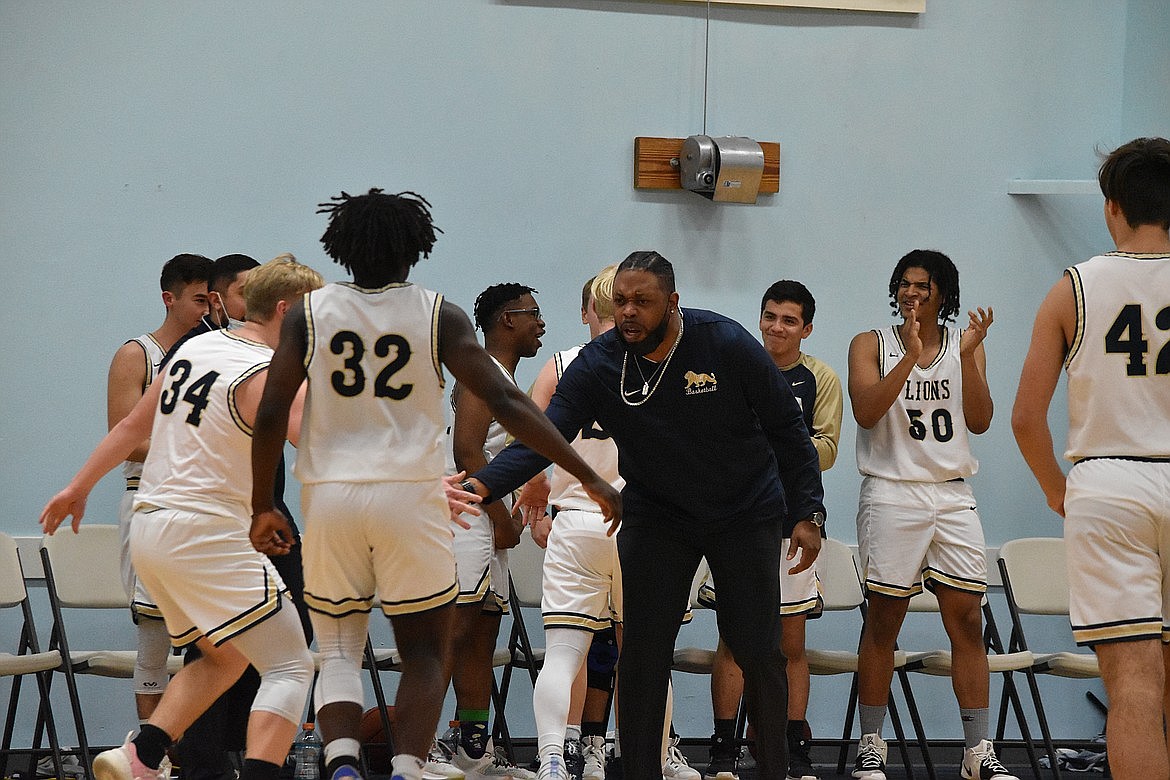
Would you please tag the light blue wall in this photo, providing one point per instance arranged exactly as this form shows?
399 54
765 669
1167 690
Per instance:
1147 69
134 130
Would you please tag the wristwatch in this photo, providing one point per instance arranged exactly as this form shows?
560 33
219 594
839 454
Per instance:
817 518
468 487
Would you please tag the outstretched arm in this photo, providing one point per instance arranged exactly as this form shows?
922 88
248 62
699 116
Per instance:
1052 334
473 418
533 500
128 434
461 353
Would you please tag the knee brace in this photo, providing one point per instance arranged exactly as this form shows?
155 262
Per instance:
284 687
341 643
602 660
150 667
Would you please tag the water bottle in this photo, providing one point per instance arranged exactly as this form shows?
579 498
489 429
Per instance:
307 754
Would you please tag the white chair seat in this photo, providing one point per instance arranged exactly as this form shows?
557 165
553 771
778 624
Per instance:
1067 664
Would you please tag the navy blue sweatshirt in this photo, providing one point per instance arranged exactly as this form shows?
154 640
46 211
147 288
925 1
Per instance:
721 439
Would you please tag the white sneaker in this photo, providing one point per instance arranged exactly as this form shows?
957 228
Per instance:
492 765
593 749
676 766
70 767
871 758
122 763
553 768
439 766
981 763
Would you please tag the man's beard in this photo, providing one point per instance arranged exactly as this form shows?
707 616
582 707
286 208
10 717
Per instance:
652 341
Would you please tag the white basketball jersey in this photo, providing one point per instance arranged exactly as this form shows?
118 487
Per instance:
200 457
374 409
497 436
493 444
923 435
132 469
1119 363
594 446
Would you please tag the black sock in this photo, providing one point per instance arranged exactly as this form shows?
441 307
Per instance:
255 769
591 728
151 744
723 740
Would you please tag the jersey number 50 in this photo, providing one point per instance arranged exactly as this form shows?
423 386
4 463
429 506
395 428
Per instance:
940 424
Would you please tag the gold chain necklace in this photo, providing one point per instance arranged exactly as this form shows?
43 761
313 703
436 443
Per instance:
660 372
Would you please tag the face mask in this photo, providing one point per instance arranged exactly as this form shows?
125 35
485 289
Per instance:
233 324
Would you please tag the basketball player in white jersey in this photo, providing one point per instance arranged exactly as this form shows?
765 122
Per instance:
582 578
1105 323
371 459
190 535
184 293
917 390
512 328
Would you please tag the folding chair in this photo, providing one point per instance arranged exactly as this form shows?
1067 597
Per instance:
526 581
940 663
28 659
842 591
1035 582
82 572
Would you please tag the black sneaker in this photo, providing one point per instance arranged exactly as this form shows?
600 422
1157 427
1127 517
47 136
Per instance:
871 758
799 760
722 768
574 759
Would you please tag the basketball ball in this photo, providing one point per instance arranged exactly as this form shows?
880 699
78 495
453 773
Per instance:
372 735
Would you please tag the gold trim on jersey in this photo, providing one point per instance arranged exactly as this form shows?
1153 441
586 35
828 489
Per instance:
309 328
945 341
1123 631
266 608
894 591
339 609
559 360
1139 255
1079 297
141 609
435 313
238 418
812 606
150 369
576 620
374 290
237 337
411 606
965 584
479 592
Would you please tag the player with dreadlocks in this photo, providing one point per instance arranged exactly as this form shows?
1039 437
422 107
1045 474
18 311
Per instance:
917 389
377 525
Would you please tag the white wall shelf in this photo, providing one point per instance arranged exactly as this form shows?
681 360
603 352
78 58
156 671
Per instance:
1053 187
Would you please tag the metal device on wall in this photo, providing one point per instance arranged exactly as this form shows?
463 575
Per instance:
725 169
